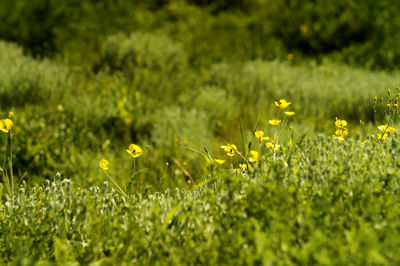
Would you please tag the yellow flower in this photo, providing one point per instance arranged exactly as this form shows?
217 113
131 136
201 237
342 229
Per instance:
274 122
243 166
364 142
134 150
362 123
104 164
282 103
388 105
260 136
254 156
5 125
289 114
290 56
386 128
10 114
340 123
382 136
342 132
220 161
230 149
271 144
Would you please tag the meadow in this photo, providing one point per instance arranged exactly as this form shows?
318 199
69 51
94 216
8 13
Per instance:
150 133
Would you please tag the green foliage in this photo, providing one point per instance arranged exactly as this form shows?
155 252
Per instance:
142 50
321 92
189 126
325 202
342 27
180 79
238 30
24 80
220 106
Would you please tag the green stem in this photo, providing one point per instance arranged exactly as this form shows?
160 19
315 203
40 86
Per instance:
115 183
247 162
134 167
11 164
5 152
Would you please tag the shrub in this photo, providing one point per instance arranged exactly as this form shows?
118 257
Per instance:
321 92
142 50
188 126
218 104
24 80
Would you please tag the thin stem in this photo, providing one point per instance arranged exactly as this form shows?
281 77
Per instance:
134 166
11 163
5 152
115 183
247 162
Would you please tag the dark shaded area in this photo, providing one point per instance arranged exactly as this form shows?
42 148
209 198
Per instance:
363 33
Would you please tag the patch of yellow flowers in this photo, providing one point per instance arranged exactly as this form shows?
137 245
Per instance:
253 155
341 132
133 149
386 130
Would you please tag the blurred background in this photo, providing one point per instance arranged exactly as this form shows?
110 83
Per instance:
86 78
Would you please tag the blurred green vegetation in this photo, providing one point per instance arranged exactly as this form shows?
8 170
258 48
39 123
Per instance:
212 31
85 78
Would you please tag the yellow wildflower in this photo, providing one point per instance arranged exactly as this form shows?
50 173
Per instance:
342 132
282 103
290 56
11 114
134 150
388 105
269 145
220 161
274 122
260 136
386 128
230 149
382 136
362 122
243 166
364 142
254 156
104 164
5 125
340 123
289 114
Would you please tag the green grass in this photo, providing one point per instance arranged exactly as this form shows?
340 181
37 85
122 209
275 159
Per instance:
177 81
323 202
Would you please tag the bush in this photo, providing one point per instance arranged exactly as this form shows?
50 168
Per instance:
24 80
342 27
218 104
142 50
172 124
321 92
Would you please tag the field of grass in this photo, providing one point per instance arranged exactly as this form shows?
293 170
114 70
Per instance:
200 185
